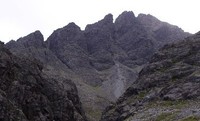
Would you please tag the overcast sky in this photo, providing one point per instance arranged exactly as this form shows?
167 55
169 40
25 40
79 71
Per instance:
21 17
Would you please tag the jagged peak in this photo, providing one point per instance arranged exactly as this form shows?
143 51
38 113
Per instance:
147 16
125 16
11 42
152 23
1 43
195 36
34 36
72 25
37 32
198 33
107 20
34 39
64 31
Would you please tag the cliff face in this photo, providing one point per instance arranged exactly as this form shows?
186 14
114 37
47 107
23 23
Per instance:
162 31
27 94
104 59
167 88
34 47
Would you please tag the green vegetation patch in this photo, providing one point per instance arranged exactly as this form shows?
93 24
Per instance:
142 94
191 118
131 99
96 114
128 119
165 117
134 98
168 103
176 104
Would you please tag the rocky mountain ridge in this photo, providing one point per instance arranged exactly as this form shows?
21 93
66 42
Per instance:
104 59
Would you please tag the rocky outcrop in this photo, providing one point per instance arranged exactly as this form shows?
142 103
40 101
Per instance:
134 39
162 31
99 38
167 89
34 47
103 60
27 94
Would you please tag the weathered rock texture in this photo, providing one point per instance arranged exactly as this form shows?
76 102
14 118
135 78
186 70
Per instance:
104 59
27 94
168 87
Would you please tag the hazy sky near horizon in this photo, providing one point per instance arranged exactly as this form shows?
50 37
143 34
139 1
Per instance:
21 17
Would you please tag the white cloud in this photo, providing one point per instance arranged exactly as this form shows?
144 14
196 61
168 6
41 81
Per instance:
20 17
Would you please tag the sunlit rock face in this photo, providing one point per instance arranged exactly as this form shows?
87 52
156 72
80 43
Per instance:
104 59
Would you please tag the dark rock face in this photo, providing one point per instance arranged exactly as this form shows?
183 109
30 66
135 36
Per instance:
33 47
26 94
163 32
134 39
69 46
99 38
170 82
104 59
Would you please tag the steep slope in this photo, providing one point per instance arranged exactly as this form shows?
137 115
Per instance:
27 94
34 47
134 39
162 31
103 60
167 89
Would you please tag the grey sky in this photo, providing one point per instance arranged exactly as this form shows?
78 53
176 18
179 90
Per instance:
21 17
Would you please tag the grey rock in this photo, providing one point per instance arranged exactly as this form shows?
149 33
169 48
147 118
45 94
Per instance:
27 94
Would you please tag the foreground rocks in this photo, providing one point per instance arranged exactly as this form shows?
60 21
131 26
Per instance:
27 94
168 87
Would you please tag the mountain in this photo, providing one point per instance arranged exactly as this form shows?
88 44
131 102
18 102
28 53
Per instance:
167 88
104 59
27 94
